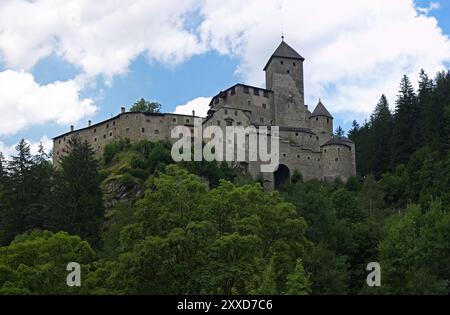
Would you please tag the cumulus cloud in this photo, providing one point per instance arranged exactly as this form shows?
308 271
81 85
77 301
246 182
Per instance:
200 105
8 150
354 49
24 103
100 37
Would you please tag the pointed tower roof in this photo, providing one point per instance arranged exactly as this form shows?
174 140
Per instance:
321 111
284 51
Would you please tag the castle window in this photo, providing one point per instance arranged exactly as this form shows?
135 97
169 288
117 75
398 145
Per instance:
95 130
235 113
110 134
59 141
95 139
261 120
309 158
107 126
325 151
114 123
317 138
239 123
174 120
284 154
246 90
233 91
298 156
64 139
266 94
187 121
226 111
282 62
143 130
336 159
57 152
148 120
127 130
218 123
229 123
249 103
294 64
256 92
296 134
104 136
328 120
317 118
339 149
264 106
289 71
156 132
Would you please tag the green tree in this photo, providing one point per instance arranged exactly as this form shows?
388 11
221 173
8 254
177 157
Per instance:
77 198
144 106
298 281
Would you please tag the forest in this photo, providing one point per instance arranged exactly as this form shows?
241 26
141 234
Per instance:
138 223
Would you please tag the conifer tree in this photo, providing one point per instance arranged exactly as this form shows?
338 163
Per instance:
406 131
381 124
77 203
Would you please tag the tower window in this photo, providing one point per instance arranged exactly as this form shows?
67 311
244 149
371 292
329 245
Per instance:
110 134
282 62
107 125
187 121
235 113
229 123
317 118
233 91
156 132
127 130
264 106
249 103
284 154
226 111
218 123
256 92
328 120
246 91
296 134
261 120
288 71
266 94
294 64
143 130
336 159
174 120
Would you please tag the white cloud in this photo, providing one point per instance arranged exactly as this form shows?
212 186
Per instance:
432 6
200 105
8 150
354 49
24 103
100 37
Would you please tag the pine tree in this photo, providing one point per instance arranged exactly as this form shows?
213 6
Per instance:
381 125
77 203
298 281
339 132
406 131
428 123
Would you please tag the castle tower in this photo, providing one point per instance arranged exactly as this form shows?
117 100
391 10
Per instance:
284 76
321 123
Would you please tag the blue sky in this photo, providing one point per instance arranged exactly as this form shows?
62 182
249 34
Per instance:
197 56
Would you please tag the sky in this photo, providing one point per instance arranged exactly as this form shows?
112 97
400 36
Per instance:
63 63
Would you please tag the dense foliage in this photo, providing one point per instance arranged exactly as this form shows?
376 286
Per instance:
140 224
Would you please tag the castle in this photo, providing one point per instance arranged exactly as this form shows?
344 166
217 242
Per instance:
306 142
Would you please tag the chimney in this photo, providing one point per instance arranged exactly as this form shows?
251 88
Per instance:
72 128
89 123
122 110
193 113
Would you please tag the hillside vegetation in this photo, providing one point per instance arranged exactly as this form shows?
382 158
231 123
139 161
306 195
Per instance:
140 224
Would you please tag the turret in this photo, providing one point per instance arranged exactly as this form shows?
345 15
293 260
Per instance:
321 123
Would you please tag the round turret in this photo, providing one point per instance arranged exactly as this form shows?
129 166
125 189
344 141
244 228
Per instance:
338 159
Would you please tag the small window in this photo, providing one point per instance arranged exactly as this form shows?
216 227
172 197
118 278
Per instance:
95 139
261 120
256 92
148 120
59 141
249 103
325 151
288 71
218 123
336 159
95 130
317 138
226 111
143 130
264 106
187 121
294 64
110 134
284 154
156 132
104 136
233 91
266 94
246 90
328 120
235 113
174 120
114 123
309 158
229 123
298 156
127 130
282 62
107 126
239 123
57 152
